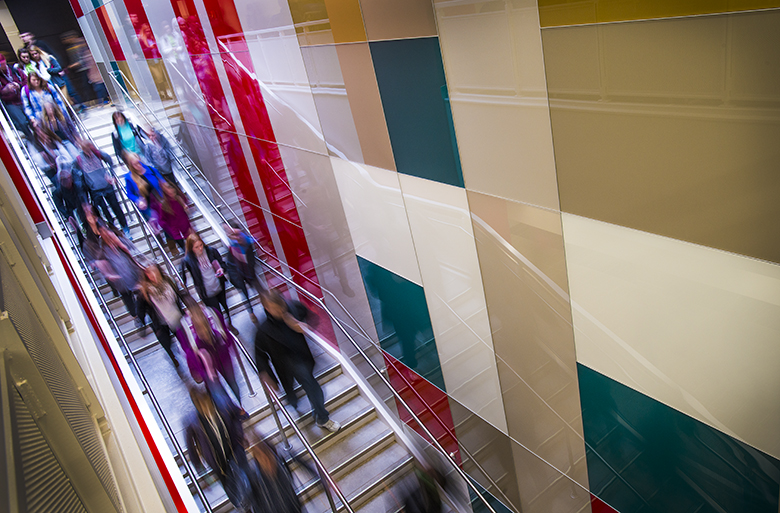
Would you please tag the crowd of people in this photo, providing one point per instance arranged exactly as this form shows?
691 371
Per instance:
86 192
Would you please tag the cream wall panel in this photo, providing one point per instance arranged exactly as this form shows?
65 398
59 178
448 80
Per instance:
446 252
493 59
376 217
693 327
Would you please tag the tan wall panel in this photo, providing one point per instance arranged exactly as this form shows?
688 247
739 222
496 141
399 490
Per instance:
672 142
521 255
565 12
495 74
357 69
397 19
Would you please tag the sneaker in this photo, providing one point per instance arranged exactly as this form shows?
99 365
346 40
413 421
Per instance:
253 318
126 231
331 425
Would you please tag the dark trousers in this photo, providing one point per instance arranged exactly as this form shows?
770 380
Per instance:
128 298
105 199
217 301
19 120
303 373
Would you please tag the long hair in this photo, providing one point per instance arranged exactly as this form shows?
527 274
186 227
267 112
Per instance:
57 115
199 321
45 57
29 81
191 240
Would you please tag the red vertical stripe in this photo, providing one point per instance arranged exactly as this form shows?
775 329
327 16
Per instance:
142 29
76 6
37 216
428 402
206 73
234 52
20 182
108 30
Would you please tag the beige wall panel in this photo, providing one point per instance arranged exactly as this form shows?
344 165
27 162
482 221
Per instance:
663 147
357 69
690 326
495 74
397 19
543 489
521 255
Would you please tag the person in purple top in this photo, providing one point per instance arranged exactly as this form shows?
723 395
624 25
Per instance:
210 346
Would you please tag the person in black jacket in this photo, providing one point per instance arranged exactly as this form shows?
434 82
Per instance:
280 339
207 269
69 196
127 137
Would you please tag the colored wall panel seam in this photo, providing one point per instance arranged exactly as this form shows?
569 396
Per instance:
692 327
428 403
561 12
76 6
366 104
398 19
402 321
645 456
108 30
410 75
346 21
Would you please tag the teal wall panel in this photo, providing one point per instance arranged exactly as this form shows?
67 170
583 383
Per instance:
402 320
644 456
410 75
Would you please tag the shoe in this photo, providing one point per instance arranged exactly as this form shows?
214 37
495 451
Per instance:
126 231
331 425
253 318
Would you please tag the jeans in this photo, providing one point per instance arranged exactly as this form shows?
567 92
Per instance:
19 119
302 372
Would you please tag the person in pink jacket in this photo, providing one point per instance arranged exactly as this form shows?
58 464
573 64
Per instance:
210 346
173 218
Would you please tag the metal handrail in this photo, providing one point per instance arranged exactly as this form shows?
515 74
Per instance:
174 272
214 190
107 313
339 323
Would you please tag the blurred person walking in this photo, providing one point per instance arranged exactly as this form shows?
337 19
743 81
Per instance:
172 215
100 182
35 95
143 185
55 120
127 138
280 340
210 347
241 263
119 268
205 265
167 314
159 153
215 435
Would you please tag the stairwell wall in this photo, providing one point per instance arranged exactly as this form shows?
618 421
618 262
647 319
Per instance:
516 201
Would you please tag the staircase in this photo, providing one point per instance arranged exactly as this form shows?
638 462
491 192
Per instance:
365 457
